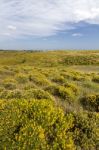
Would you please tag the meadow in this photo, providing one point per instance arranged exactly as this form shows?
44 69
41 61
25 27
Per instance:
49 100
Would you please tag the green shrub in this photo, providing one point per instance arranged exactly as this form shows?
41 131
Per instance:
21 78
39 80
11 94
91 102
14 94
37 94
3 94
62 92
53 89
66 75
66 94
23 60
85 131
90 85
30 86
34 125
1 89
80 60
9 86
59 79
73 87
96 79
78 78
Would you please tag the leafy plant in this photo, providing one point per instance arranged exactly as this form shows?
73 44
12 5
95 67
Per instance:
34 125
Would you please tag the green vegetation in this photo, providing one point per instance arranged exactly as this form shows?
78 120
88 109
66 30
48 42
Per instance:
49 100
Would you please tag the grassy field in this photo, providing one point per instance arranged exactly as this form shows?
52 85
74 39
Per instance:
49 100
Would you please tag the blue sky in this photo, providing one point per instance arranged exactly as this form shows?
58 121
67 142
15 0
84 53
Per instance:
49 24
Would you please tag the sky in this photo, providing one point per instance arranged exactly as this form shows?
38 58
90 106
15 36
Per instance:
49 24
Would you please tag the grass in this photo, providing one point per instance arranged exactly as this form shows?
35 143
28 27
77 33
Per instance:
50 96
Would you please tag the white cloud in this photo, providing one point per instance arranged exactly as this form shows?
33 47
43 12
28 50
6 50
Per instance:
44 18
10 27
77 34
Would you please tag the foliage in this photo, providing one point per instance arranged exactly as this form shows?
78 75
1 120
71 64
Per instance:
91 102
37 94
96 79
85 131
62 92
34 125
21 78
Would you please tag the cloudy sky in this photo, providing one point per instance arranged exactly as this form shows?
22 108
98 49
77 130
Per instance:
49 24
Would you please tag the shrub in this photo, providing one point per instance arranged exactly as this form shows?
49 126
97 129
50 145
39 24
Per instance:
78 78
80 60
23 61
9 86
1 89
34 125
59 79
73 87
21 78
85 131
14 94
30 86
66 94
91 102
96 79
37 94
39 80
3 94
66 75
62 92
11 94
53 89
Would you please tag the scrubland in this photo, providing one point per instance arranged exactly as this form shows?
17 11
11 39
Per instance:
49 100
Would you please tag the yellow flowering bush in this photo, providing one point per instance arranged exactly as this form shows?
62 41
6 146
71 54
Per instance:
31 124
91 102
86 131
64 93
73 87
37 94
21 78
38 79
11 94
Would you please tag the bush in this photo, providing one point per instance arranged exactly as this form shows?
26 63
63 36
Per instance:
85 131
14 94
9 86
59 79
37 94
39 80
11 94
21 78
62 92
3 94
80 60
1 89
73 87
91 102
34 125
96 79
66 94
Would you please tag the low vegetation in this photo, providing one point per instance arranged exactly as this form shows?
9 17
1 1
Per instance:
49 100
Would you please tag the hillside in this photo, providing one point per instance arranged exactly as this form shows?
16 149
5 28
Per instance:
49 100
